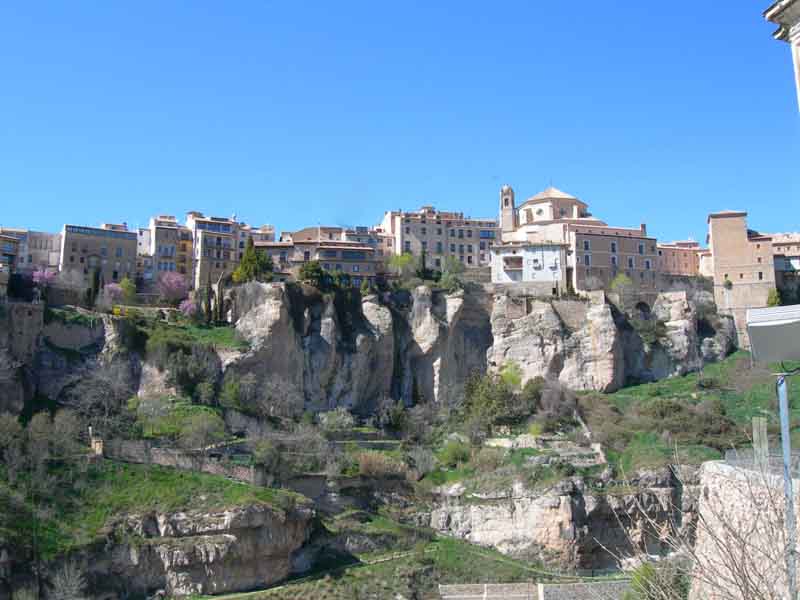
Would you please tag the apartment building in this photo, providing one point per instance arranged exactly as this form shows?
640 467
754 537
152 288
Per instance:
679 258
743 266
9 248
215 247
109 250
437 235
37 250
595 253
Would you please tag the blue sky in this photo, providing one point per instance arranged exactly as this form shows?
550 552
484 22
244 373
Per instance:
295 113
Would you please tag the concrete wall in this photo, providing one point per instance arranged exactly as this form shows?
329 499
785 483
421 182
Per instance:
600 590
740 533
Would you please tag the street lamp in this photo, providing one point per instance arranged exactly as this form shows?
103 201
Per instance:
775 337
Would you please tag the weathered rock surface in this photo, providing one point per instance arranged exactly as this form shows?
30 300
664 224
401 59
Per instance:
567 522
541 343
199 552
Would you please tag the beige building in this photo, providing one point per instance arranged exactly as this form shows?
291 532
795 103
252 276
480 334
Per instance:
108 250
38 250
679 258
786 15
595 252
743 266
215 247
439 234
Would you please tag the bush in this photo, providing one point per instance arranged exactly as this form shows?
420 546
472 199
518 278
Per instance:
378 464
422 459
267 455
488 460
454 453
337 419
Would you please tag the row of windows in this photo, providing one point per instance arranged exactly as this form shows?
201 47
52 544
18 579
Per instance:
587 247
338 267
741 276
587 261
215 227
485 234
125 235
440 247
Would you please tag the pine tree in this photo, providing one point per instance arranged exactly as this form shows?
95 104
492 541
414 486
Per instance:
254 266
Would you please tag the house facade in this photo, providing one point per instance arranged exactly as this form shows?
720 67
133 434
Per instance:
439 234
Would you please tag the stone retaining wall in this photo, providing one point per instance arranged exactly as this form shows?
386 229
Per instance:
143 452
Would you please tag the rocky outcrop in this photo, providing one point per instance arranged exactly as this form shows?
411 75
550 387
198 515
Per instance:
568 522
204 552
542 344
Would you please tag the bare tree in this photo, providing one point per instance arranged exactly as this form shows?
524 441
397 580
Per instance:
98 399
280 398
733 547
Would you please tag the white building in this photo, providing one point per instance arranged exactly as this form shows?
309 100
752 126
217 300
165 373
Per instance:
538 263
786 15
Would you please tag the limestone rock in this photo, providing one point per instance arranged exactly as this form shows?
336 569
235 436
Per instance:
202 552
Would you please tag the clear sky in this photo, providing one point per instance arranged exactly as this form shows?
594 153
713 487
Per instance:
294 113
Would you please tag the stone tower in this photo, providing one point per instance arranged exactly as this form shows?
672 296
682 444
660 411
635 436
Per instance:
508 211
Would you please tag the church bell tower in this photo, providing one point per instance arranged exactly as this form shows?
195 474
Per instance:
508 211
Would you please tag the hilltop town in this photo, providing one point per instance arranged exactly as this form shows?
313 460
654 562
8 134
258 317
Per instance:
550 245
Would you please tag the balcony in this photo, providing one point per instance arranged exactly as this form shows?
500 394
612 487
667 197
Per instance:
512 263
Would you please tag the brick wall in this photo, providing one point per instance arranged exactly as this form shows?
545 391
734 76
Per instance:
600 590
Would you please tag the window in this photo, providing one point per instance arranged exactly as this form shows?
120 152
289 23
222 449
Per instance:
613 261
461 233
586 245
438 231
327 266
306 255
408 230
469 260
631 262
587 260
482 245
741 275
338 267
647 265
439 247
461 248
438 262
424 246
355 268
469 248
660 253
407 246
759 259
453 248
469 233
641 248
424 231
613 247
103 251
452 233
760 276
114 275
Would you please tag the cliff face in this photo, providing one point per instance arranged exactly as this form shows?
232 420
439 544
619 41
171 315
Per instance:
577 527
199 552
334 353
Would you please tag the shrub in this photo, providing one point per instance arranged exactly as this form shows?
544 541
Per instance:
455 453
267 455
488 459
536 429
377 464
337 419
773 298
254 266
422 459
